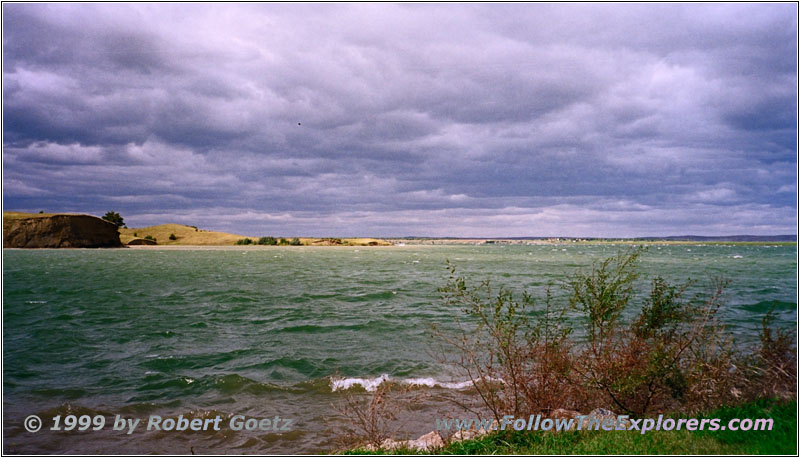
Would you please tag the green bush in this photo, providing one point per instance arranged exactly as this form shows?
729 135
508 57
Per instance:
149 237
295 242
244 241
283 241
114 217
267 241
172 237
672 354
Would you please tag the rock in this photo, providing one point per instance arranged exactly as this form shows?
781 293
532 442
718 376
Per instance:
391 444
427 442
142 242
601 412
564 413
598 416
463 435
59 231
472 433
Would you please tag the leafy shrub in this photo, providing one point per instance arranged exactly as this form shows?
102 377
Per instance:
373 417
295 242
668 354
370 418
267 241
244 241
283 241
774 361
516 365
149 237
172 237
523 356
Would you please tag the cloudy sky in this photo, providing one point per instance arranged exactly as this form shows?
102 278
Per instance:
415 119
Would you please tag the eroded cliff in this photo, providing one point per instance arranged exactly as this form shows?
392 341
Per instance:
58 231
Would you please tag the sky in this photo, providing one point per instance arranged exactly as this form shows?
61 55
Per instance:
387 120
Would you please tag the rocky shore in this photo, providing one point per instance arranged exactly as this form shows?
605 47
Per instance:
434 440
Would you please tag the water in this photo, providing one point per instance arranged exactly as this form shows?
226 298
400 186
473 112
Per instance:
271 331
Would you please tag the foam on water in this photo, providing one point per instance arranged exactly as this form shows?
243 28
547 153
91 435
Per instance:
372 384
369 384
431 382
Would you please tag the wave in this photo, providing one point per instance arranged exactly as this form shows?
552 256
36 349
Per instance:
158 385
765 306
320 329
372 384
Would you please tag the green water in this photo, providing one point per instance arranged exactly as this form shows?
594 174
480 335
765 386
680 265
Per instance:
261 331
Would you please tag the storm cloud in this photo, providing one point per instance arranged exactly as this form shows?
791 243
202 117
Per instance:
409 119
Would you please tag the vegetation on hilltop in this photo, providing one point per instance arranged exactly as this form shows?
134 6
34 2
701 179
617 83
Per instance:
114 217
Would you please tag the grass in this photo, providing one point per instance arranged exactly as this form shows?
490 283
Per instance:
19 215
8 217
782 440
184 235
189 235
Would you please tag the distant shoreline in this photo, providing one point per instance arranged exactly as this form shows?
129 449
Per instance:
567 241
394 243
42 227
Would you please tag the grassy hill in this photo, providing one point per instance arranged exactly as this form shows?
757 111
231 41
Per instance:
190 235
185 235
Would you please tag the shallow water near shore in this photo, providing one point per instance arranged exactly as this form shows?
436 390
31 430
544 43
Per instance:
281 331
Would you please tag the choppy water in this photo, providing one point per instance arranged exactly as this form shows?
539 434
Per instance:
270 331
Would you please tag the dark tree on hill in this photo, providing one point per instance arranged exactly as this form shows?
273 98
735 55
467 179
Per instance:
115 218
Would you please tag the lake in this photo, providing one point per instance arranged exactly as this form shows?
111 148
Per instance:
272 331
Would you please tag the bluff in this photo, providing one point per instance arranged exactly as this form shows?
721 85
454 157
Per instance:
24 230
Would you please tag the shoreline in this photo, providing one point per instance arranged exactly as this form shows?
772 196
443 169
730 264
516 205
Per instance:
396 243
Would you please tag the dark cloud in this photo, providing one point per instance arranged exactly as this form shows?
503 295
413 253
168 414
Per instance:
512 119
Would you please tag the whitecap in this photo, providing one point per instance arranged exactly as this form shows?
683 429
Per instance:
432 382
371 384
